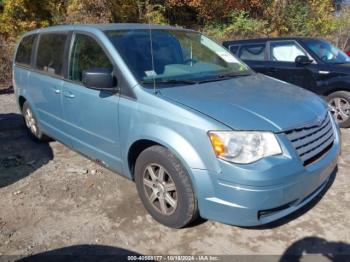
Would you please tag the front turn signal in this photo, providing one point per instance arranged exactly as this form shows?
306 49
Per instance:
218 145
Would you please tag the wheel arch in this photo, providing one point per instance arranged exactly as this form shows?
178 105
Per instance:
336 89
21 101
172 141
135 150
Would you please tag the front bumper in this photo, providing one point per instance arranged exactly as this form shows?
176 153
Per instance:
277 188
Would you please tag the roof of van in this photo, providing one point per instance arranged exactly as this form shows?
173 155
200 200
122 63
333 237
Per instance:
104 27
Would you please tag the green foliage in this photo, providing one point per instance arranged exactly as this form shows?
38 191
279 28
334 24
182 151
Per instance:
124 11
155 14
242 23
221 19
23 15
88 11
342 25
322 20
296 18
238 25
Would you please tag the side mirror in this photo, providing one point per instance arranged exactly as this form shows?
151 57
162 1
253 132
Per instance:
99 79
303 60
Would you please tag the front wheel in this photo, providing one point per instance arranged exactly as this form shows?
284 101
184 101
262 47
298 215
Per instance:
165 188
339 104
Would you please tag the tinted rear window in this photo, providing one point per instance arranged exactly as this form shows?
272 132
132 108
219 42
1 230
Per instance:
252 52
51 52
24 51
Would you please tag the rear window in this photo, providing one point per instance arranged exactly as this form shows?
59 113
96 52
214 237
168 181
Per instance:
252 52
24 51
51 52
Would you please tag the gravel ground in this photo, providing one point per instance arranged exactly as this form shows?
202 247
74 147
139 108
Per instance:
53 198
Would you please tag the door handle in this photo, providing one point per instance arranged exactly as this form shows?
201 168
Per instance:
68 94
57 91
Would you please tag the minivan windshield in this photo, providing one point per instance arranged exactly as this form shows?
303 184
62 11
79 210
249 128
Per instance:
327 52
175 56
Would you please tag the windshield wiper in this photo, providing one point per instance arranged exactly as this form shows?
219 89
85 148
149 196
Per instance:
170 82
193 82
225 76
231 75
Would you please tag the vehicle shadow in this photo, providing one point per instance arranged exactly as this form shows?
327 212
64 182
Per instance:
318 247
301 211
19 154
83 253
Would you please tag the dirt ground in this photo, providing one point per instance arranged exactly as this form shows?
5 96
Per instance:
52 198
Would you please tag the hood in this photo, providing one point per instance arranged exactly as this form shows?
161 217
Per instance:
336 69
343 68
255 102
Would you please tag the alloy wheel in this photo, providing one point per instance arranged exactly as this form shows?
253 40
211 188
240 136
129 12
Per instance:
340 108
160 189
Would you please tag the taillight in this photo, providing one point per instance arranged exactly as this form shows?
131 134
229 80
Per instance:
348 53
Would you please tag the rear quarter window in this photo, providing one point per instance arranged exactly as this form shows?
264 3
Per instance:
50 54
24 51
233 49
254 52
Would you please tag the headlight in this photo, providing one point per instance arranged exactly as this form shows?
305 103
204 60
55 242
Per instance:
244 147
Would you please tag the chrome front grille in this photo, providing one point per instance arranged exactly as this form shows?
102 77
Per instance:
312 142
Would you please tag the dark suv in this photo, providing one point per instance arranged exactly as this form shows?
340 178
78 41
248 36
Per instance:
311 63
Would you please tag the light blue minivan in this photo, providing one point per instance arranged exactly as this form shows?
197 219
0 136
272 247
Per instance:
198 131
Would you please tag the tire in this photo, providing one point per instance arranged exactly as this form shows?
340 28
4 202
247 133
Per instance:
339 104
175 212
32 124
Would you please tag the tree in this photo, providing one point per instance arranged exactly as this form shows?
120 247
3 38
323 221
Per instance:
89 11
1 6
151 11
22 15
343 29
219 10
321 19
124 11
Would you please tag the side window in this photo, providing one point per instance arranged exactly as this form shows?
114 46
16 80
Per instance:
285 51
233 49
24 51
51 52
253 52
86 54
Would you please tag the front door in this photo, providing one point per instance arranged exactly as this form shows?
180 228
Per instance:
281 64
92 115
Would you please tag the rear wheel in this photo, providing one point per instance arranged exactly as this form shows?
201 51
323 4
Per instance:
339 104
32 123
165 188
